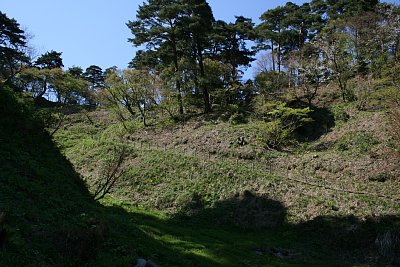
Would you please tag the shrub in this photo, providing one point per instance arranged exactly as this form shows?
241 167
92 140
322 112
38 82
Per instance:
280 123
339 114
237 118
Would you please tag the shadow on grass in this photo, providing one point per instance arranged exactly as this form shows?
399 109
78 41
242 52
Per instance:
323 241
250 230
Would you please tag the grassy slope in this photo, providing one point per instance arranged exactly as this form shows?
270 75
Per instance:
202 161
53 221
199 169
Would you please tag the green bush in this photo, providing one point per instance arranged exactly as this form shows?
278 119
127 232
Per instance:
237 118
273 134
280 123
339 113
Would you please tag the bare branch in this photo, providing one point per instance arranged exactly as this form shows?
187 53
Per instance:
111 173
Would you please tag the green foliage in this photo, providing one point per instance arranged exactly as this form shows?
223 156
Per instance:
132 90
357 142
218 74
197 190
336 48
19 111
50 60
76 72
159 27
289 115
339 113
270 83
272 30
95 76
67 89
52 218
179 37
230 42
287 28
380 177
237 118
280 122
312 72
390 93
274 135
12 44
347 8
36 188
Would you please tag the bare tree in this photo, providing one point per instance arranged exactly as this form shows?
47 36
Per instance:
336 51
312 73
264 63
111 172
292 62
59 118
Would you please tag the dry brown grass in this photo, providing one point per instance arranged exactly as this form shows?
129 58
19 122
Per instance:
394 125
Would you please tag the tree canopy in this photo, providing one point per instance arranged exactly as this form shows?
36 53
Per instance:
198 61
12 45
50 60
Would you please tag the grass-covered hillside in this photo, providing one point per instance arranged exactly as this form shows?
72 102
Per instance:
350 169
336 193
222 211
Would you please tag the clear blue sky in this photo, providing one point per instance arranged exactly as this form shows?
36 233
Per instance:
93 32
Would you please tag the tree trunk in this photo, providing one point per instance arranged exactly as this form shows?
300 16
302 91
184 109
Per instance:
279 60
180 101
273 57
142 113
206 96
44 89
233 61
176 70
130 110
342 84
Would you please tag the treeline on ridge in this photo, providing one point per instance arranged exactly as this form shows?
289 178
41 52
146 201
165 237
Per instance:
189 63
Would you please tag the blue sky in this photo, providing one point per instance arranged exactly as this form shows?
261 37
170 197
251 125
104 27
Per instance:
93 32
